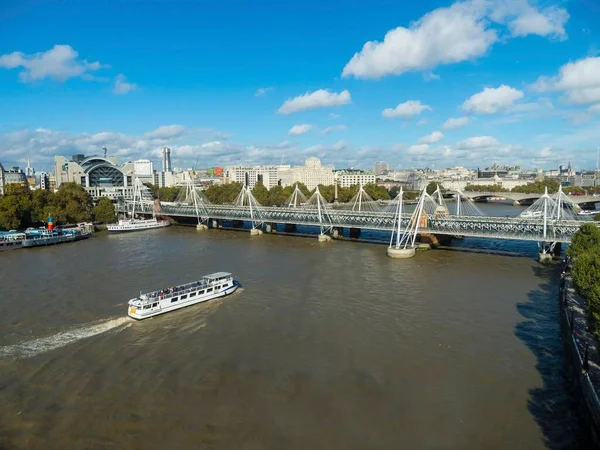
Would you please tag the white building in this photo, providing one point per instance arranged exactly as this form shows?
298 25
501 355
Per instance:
380 167
143 168
269 175
100 177
346 178
312 173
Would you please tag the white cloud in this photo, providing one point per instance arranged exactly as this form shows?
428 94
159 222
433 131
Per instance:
430 76
166 132
311 100
461 32
478 142
579 80
432 138
442 36
595 108
262 91
492 100
122 86
524 19
300 129
406 110
334 115
455 122
333 128
59 63
417 149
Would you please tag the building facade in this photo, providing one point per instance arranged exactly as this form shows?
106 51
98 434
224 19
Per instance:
100 177
347 178
269 175
13 175
380 167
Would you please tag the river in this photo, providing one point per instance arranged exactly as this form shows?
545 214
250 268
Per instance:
328 346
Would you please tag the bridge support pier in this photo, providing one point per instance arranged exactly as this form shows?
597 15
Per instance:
354 233
217 223
290 227
324 238
516 203
544 258
429 239
557 250
338 232
271 228
255 232
401 253
201 227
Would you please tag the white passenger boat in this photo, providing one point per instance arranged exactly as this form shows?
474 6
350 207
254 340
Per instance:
587 212
532 214
125 225
208 287
132 223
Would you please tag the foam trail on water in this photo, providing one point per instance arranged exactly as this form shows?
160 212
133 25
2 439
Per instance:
34 347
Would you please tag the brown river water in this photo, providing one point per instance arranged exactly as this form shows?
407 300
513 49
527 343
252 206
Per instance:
328 346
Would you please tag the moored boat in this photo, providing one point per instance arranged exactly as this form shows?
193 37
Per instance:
132 223
126 225
587 212
211 286
11 240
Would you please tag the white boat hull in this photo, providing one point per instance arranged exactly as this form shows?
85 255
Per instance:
125 226
165 307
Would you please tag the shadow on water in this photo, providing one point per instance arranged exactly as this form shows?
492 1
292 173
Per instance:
554 405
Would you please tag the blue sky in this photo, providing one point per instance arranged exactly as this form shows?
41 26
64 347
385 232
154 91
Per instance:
224 82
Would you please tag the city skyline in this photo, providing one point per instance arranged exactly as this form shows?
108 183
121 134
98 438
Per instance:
512 82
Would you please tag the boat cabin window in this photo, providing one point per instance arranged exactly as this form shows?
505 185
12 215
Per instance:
174 299
146 307
201 292
209 290
193 294
183 297
154 305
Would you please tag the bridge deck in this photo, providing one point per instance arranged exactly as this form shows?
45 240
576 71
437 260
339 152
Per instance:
481 227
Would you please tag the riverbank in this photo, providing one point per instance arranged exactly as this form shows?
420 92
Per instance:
582 352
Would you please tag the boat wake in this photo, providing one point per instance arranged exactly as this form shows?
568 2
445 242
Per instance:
34 347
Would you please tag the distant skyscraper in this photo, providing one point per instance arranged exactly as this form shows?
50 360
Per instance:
380 167
166 151
29 171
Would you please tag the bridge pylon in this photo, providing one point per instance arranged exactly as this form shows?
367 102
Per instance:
245 199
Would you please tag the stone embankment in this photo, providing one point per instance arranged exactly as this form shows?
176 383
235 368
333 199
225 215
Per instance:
582 351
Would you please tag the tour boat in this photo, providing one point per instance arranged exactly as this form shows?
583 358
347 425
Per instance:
52 237
208 287
11 240
587 212
124 225
531 214
133 224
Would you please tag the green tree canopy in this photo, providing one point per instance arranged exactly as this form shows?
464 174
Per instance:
260 193
586 239
538 187
486 188
104 211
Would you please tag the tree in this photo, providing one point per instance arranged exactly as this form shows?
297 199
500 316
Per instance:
586 270
485 188
104 211
586 239
597 217
15 207
168 194
376 192
394 191
277 196
432 187
538 187
260 193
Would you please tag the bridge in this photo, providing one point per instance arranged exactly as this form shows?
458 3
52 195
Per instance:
520 197
549 221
